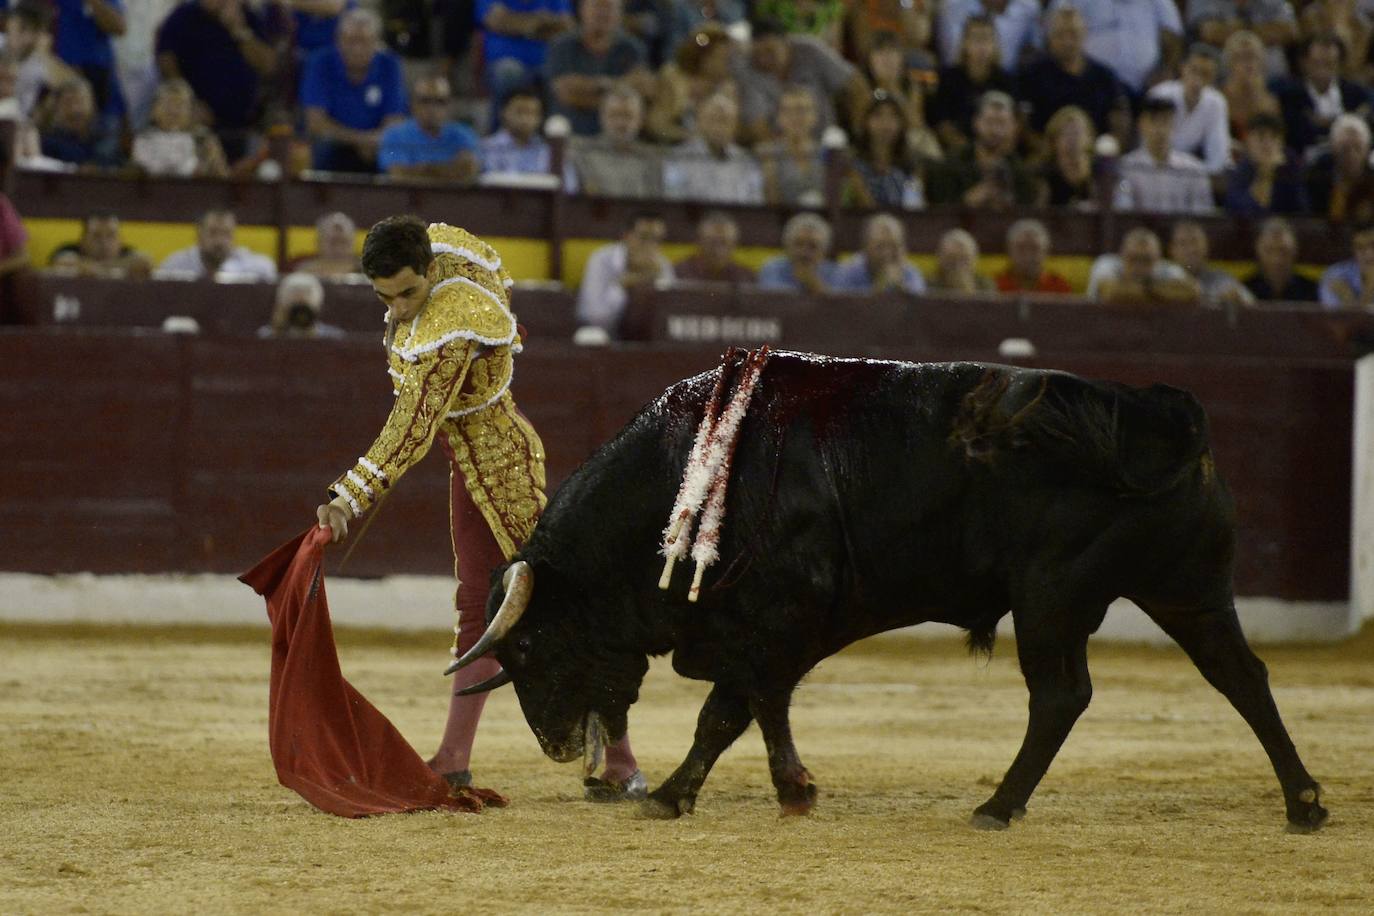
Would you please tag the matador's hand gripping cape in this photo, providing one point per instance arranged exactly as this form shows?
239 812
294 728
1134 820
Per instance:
451 368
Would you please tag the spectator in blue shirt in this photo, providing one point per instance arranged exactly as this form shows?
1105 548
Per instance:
585 64
429 145
882 265
220 48
82 39
517 147
803 265
351 93
76 133
1350 284
518 33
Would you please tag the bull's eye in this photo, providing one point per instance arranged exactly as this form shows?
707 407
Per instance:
523 645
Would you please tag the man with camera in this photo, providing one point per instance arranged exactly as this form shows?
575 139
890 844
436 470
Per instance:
300 299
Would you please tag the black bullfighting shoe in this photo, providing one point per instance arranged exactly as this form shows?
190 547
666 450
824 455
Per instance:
458 778
636 788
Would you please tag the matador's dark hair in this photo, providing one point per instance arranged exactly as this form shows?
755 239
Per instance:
394 244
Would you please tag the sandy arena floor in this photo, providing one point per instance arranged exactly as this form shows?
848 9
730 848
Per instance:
135 778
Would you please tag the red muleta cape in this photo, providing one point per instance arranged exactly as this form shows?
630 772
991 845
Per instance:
328 742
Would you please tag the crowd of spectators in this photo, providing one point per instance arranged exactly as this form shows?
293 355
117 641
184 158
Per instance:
1259 108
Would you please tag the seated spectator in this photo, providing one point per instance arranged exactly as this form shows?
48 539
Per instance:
584 65
699 69
1028 246
1265 180
221 48
1275 278
516 36
28 39
614 269
429 144
1314 99
1244 83
1215 21
803 265
1188 249
685 20
300 302
1339 180
14 239
714 262
1139 39
889 71
881 173
1156 177
352 92
76 133
215 256
907 21
173 143
82 39
956 265
1140 275
986 174
1068 170
316 23
616 164
777 60
100 252
976 72
1348 21
1202 120
1017 25
819 19
27 145
711 166
336 254
1350 284
1066 75
883 264
793 167
518 147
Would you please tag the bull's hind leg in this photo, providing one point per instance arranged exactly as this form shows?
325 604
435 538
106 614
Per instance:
723 718
796 791
1056 671
1215 643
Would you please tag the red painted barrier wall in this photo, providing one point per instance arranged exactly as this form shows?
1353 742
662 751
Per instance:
129 450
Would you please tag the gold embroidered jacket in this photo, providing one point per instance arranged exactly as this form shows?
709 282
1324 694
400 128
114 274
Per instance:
451 369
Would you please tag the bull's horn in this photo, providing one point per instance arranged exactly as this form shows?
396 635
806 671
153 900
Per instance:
519 585
499 679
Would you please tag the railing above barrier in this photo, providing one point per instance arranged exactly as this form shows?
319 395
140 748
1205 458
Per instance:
714 316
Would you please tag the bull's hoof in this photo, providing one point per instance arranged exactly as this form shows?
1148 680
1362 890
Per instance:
1305 814
991 815
666 809
987 822
797 800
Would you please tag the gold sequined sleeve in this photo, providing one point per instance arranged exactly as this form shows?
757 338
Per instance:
425 395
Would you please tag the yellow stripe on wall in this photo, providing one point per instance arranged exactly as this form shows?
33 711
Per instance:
526 259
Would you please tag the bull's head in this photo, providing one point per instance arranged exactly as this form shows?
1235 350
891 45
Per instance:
571 676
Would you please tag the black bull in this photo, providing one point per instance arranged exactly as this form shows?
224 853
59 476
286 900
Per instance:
867 496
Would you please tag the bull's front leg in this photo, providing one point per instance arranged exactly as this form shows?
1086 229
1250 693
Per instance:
796 791
724 717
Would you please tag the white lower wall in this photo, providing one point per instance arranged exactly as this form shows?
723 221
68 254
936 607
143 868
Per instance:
426 602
